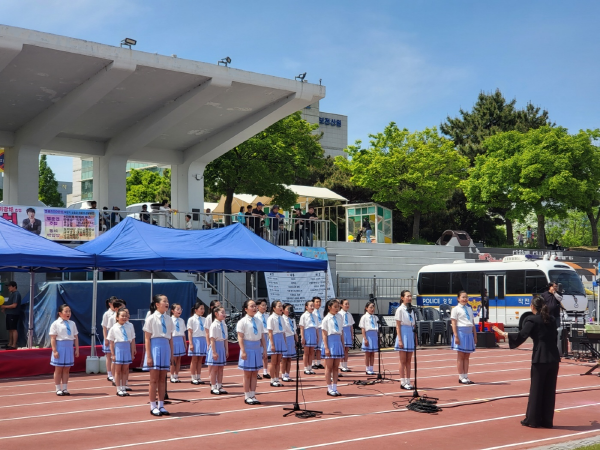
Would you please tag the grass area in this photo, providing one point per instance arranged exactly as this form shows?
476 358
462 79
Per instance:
590 447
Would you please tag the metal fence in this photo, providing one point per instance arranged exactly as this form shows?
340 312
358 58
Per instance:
381 288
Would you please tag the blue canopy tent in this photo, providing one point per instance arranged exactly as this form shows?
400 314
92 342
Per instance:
137 246
23 251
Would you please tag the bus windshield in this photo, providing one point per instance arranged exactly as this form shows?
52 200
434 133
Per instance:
570 281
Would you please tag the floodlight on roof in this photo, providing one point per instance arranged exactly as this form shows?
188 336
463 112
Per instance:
301 77
225 61
128 42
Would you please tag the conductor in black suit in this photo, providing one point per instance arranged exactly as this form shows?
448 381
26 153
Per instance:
31 223
541 328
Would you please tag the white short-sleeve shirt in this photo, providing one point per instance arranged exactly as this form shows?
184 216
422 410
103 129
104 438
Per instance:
463 315
318 317
273 323
197 324
246 327
106 317
367 324
181 322
347 319
403 316
263 318
216 332
329 322
208 321
153 325
116 333
289 329
308 320
59 329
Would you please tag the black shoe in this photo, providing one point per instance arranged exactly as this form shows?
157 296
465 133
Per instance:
331 394
337 394
223 391
128 389
59 393
111 379
121 394
321 366
315 366
215 392
164 412
267 376
113 383
258 377
463 381
525 424
65 392
249 401
195 382
155 412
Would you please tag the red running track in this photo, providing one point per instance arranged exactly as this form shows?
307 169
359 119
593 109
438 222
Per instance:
93 417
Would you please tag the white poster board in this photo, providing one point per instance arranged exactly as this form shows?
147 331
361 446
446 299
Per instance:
296 288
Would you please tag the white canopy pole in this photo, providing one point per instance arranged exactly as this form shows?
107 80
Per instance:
31 299
151 285
94 305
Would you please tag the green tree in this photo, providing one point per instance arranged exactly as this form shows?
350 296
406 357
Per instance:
266 162
416 171
146 186
48 188
545 170
490 115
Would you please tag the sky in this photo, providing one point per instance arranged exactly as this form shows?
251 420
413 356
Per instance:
410 62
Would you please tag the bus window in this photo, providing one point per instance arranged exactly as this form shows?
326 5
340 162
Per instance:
442 283
460 282
491 286
500 279
535 282
515 282
570 281
425 284
475 287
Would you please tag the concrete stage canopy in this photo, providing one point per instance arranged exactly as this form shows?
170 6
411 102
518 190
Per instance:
71 97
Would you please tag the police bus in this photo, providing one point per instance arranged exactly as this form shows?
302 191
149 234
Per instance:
510 284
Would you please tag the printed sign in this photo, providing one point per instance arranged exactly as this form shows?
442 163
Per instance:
1 160
297 288
56 224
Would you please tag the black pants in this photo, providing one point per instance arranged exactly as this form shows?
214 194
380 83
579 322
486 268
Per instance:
542 395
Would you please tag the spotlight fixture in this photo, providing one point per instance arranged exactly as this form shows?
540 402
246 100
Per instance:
128 42
301 77
225 61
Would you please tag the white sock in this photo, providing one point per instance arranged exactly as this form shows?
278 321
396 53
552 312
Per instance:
461 375
329 387
345 364
247 395
58 387
109 374
286 375
152 405
334 387
64 387
252 394
265 372
213 387
161 405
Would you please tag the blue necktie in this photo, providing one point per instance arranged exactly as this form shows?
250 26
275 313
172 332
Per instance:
291 324
346 319
223 331
164 325
68 327
201 323
124 333
280 326
319 316
254 328
372 321
177 324
335 325
264 321
312 319
467 313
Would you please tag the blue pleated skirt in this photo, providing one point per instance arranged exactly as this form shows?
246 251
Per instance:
336 348
123 353
161 354
178 346
408 339
310 337
280 345
348 341
254 354
467 342
221 359
199 346
105 347
373 338
290 352
66 354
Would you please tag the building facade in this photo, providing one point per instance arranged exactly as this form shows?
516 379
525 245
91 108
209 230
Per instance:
333 126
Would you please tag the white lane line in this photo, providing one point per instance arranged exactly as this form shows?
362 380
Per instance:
545 439
275 406
418 430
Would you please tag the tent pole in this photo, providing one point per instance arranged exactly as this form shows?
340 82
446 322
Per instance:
94 303
326 285
31 299
252 285
151 285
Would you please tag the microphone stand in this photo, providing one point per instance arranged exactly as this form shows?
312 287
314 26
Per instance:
304 413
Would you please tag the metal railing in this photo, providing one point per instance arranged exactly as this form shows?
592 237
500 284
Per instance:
293 230
382 288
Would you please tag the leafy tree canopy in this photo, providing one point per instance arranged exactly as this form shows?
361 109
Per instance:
146 186
48 187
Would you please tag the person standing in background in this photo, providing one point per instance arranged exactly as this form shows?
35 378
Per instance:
12 308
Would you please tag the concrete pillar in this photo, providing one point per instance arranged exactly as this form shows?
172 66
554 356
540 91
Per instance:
187 186
111 181
21 175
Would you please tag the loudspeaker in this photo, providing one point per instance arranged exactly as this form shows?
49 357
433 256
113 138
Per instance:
486 339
